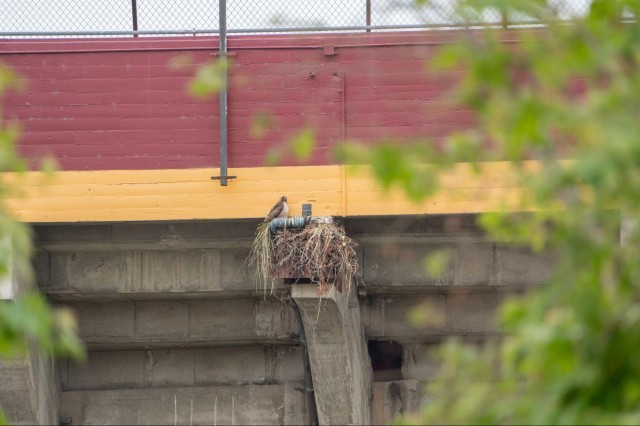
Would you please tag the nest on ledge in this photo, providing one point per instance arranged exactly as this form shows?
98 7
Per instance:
320 251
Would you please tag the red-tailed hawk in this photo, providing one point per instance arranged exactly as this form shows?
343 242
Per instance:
281 209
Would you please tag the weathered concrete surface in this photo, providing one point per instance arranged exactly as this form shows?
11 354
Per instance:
183 367
420 362
394 399
170 307
398 263
17 393
103 272
393 250
340 365
28 390
131 325
207 259
240 405
438 315
150 235
146 260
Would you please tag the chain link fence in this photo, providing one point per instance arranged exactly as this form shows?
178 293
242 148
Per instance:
28 18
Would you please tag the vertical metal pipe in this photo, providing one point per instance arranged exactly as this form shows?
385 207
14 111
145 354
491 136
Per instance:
368 21
134 15
343 136
223 93
504 17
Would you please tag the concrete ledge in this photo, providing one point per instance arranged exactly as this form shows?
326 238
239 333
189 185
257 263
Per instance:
149 235
242 405
183 367
142 325
397 262
206 259
145 271
215 323
448 314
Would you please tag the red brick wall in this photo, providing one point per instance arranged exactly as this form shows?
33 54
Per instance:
116 104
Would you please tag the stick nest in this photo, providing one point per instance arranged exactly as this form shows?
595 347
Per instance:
320 251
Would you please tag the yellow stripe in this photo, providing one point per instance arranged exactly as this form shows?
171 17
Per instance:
145 195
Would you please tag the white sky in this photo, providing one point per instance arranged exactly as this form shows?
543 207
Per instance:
115 15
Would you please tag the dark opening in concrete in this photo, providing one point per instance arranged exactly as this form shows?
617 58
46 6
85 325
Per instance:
386 360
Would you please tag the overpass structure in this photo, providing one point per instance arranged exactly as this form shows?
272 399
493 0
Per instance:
149 251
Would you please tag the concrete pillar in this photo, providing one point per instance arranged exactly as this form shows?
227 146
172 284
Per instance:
29 394
28 389
340 364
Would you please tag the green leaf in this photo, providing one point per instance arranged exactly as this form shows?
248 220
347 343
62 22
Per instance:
303 143
261 122
210 79
438 263
274 156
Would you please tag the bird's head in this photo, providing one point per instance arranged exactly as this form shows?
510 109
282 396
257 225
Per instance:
283 199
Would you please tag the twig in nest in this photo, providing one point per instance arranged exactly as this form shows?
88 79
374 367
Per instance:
260 255
320 251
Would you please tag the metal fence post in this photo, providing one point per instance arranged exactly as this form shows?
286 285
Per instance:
134 15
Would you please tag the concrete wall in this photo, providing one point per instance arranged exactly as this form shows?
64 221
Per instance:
151 323
173 319
29 392
242 405
257 365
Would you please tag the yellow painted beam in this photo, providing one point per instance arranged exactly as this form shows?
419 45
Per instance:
187 194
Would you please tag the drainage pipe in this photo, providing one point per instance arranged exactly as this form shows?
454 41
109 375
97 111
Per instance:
288 222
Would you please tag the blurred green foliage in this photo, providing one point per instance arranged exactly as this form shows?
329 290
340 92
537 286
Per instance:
562 91
209 78
27 318
301 145
565 90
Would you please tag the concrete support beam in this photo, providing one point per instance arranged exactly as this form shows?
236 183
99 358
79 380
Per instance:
454 313
234 405
207 259
183 367
100 274
340 365
143 325
396 264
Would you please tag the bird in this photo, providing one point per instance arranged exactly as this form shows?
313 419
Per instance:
281 209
